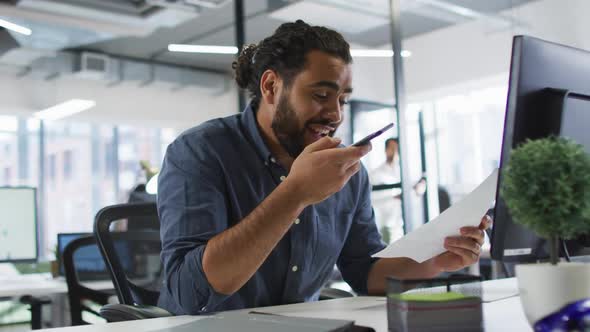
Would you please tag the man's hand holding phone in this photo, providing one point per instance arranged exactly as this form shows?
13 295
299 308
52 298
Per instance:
322 169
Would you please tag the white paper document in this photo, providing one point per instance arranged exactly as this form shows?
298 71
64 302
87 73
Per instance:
428 240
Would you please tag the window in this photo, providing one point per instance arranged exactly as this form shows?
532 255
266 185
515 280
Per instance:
135 145
168 135
51 165
477 115
7 175
110 158
67 163
8 160
80 167
8 142
84 187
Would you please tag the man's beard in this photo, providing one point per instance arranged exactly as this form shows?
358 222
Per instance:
285 126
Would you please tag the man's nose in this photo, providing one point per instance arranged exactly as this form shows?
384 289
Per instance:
334 113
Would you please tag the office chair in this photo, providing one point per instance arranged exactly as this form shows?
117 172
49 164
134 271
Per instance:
329 293
78 294
137 291
132 257
139 195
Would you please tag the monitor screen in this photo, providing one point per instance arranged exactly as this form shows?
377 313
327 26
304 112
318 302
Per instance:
575 121
63 239
88 260
18 224
548 95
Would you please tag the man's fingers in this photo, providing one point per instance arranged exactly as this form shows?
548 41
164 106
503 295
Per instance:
323 143
477 233
348 156
474 233
486 222
464 243
467 256
350 171
342 156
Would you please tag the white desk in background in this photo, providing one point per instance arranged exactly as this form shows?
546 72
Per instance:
12 287
503 314
15 286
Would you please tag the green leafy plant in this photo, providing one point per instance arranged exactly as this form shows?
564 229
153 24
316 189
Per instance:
546 187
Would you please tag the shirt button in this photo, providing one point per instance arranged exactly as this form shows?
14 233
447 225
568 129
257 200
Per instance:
282 178
294 268
297 221
272 159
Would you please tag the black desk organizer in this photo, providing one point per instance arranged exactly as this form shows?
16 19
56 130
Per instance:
411 304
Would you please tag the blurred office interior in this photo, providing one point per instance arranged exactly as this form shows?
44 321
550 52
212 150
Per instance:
111 59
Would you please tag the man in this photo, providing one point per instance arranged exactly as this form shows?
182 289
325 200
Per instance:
256 208
389 171
387 203
388 211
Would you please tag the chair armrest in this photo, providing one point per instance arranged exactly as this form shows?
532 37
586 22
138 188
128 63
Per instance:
124 312
333 293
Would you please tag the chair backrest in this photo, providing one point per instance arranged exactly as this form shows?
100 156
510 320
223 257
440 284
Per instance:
73 258
131 253
139 195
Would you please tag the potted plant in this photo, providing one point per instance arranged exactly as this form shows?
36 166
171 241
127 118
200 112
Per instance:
546 187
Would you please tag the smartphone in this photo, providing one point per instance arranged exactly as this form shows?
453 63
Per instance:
367 139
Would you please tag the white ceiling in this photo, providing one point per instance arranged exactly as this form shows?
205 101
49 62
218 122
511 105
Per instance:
136 29
180 106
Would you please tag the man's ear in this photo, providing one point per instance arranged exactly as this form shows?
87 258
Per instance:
270 84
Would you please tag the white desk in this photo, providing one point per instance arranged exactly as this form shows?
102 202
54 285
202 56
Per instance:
41 284
12 287
500 315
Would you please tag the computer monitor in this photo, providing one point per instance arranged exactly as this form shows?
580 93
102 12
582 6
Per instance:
88 259
18 224
549 94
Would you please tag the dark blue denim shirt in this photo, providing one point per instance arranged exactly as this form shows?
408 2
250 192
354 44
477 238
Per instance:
212 177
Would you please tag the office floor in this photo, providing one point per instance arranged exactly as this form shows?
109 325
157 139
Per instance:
15 316
10 314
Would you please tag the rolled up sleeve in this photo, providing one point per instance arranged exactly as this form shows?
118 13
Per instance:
363 240
192 209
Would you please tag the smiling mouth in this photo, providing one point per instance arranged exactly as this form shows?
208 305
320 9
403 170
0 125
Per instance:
320 130
322 133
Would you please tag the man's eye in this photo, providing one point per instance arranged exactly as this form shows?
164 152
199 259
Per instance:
321 95
343 101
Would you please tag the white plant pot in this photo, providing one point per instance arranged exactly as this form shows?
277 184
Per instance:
545 288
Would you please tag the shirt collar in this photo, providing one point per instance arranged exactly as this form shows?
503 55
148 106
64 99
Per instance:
250 125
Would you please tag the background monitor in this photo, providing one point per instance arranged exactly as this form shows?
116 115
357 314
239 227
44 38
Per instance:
88 260
18 224
549 94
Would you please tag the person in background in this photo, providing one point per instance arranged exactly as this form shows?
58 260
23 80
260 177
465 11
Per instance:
256 208
387 203
389 212
389 171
